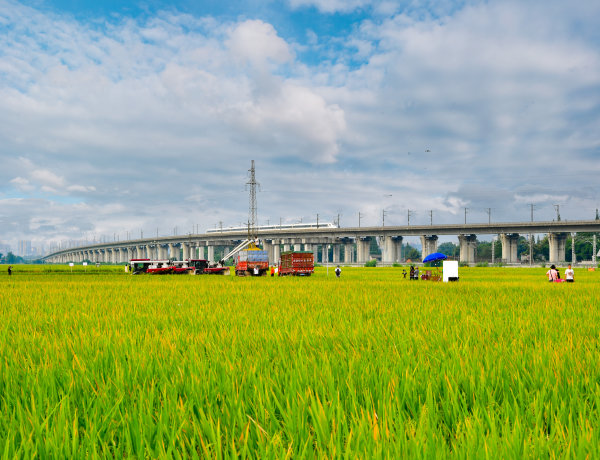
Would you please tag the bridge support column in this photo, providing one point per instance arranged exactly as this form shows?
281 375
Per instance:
325 253
201 251
276 252
315 251
390 249
429 245
268 246
211 254
286 246
398 249
336 253
171 251
363 249
468 243
509 247
186 251
348 252
557 243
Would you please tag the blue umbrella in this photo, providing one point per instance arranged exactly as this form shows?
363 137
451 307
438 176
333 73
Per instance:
434 257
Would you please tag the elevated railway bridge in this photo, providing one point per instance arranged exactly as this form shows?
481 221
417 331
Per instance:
350 245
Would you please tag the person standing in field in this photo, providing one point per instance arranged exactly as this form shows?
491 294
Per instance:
9 270
569 274
552 274
338 271
272 270
412 272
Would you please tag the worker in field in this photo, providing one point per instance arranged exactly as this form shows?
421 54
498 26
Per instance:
552 274
569 274
272 270
9 270
338 271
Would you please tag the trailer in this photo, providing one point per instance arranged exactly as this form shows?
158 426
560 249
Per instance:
252 262
296 263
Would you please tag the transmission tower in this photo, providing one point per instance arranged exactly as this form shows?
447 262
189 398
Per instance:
252 185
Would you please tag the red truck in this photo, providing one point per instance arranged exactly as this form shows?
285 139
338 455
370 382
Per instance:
253 262
296 263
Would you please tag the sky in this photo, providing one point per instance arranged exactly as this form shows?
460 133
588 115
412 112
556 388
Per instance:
120 117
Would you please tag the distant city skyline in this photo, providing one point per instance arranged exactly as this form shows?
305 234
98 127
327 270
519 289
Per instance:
118 118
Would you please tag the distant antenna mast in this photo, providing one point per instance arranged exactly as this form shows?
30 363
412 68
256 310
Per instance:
252 213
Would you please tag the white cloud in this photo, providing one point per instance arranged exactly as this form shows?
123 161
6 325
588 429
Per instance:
22 184
258 42
443 111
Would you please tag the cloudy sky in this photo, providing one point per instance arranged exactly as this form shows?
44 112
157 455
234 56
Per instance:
118 116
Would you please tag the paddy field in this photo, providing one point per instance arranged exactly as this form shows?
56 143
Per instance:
99 363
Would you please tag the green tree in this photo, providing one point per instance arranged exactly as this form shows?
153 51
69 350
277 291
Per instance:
449 249
411 253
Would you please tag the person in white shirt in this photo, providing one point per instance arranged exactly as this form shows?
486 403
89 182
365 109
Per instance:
569 274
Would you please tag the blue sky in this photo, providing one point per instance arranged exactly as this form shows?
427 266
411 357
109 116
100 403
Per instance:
122 116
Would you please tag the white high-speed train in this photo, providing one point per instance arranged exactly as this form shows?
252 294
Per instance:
299 226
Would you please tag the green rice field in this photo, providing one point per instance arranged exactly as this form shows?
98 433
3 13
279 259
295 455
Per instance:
97 363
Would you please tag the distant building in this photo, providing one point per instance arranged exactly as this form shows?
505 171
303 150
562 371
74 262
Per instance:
24 248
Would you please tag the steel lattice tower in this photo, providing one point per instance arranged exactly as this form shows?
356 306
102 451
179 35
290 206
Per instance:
252 185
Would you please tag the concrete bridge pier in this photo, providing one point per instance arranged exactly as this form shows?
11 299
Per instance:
268 246
276 252
315 251
398 248
468 243
336 253
557 244
201 251
185 251
348 250
390 249
509 247
211 254
348 253
363 249
429 245
324 253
